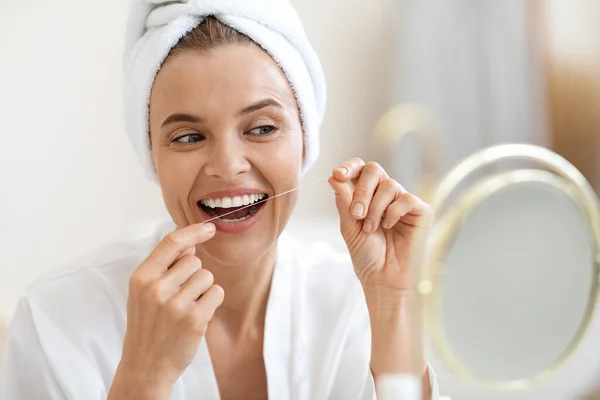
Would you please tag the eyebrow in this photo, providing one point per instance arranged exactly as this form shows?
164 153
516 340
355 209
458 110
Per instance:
260 105
179 117
173 118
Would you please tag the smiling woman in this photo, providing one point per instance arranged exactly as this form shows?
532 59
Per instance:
224 101
222 141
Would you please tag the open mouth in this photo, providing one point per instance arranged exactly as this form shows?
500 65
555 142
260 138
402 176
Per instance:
233 209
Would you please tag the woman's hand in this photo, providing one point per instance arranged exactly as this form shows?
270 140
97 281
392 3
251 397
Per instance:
171 300
386 230
385 227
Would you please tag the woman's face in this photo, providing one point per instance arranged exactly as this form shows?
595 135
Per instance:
225 132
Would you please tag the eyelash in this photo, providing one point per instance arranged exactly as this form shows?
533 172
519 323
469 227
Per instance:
189 135
179 139
272 130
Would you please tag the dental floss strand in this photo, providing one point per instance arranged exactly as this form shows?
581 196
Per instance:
269 198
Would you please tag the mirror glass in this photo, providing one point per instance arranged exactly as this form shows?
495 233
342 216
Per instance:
516 281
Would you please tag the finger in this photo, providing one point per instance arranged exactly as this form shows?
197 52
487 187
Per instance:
386 193
343 200
187 252
352 169
169 248
364 189
348 170
199 313
410 209
196 286
181 271
211 299
343 190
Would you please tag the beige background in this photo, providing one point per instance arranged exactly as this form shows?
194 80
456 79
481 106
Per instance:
571 43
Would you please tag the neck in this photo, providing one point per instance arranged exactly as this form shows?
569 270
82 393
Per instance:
246 289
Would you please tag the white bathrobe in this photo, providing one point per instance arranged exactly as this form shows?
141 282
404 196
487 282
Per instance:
67 334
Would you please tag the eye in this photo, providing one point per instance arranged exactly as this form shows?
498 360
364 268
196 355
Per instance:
189 138
263 130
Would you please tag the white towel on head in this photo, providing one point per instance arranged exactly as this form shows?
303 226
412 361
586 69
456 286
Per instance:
155 26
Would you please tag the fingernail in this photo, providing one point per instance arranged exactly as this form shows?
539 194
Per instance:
367 225
357 210
209 228
385 224
342 170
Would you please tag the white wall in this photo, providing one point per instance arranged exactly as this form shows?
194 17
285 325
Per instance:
69 181
472 64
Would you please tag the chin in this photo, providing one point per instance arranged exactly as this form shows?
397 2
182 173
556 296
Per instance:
239 250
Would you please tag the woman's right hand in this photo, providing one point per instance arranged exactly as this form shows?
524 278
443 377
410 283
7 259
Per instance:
171 301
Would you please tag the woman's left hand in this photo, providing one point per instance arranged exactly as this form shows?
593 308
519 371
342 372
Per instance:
385 228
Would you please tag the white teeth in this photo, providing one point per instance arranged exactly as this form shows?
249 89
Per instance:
227 221
237 201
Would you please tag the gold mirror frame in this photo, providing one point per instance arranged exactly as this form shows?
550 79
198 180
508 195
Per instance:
546 158
403 120
565 178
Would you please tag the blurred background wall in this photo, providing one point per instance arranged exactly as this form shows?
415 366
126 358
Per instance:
473 65
570 39
68 180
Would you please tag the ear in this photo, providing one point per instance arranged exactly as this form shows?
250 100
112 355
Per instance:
303 147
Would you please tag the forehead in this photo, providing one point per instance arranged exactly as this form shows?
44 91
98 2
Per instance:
227 76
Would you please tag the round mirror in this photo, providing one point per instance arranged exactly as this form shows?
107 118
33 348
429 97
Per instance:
513 277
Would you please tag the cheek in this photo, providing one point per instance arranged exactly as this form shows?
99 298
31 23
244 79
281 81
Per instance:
176 173
283 164
283 170
289 152
171 165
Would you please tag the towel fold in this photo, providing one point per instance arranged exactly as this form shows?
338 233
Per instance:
155 26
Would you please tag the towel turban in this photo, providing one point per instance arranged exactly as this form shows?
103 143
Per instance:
155 27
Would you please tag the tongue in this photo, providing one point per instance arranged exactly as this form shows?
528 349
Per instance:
236 212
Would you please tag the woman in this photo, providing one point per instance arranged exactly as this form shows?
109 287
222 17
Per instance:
232 308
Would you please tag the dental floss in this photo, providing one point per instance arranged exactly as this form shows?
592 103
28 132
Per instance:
269 198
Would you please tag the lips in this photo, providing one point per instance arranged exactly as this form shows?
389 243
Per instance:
232 214
233 206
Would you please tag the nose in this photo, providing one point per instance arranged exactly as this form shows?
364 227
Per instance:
227 158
